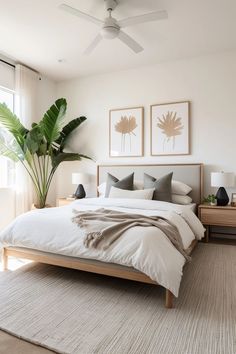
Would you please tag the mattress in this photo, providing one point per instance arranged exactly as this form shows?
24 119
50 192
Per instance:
146 249
193 207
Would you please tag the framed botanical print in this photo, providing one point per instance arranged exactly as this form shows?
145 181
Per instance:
170 129
126 132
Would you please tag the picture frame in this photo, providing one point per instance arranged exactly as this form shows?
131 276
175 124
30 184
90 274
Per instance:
233 199
170 128
126 132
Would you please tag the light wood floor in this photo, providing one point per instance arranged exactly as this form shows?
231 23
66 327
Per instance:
12 345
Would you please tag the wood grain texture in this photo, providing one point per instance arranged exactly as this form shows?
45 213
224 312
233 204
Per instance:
63 202
86 265
169 299
217 216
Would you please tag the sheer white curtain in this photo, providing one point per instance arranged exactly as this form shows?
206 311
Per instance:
26 85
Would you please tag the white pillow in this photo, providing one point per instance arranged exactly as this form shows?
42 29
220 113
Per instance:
102 189
180 188
138 194
177 187
181 199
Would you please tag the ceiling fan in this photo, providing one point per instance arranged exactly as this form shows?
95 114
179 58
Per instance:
110 28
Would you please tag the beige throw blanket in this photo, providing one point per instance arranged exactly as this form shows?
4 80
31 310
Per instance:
103 227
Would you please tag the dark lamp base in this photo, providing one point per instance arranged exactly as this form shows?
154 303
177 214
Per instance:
222 197
80 192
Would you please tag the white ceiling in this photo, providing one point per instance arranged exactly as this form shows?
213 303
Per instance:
37 33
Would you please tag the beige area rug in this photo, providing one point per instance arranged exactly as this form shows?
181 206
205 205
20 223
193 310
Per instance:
74 312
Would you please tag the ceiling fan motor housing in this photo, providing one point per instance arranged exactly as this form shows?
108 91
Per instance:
110 5
110 28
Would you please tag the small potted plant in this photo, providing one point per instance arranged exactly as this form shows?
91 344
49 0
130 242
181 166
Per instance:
210 199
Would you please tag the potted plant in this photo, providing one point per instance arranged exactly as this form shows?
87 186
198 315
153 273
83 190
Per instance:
41 149
211 199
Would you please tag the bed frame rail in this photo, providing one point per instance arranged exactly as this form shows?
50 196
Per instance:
87 265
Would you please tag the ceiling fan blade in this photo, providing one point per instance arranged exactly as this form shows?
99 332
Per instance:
130 42
153 16
80 14
93 45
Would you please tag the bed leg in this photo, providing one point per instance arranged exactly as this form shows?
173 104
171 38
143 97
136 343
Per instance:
4 260
169 299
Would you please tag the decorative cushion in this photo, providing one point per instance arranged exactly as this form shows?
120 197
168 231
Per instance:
181 199
136 194
162 186
124 183
180 188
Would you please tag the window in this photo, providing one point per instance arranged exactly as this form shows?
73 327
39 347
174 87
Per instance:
7 167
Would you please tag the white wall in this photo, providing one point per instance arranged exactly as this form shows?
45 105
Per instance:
208 82
46 95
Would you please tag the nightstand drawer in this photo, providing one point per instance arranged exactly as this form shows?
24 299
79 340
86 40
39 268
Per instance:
64 201
213 216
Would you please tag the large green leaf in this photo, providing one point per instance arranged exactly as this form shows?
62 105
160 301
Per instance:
4 151
53 119
12 123
68 129
34 139
66 156
10 148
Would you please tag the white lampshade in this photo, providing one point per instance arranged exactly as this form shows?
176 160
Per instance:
80 178
222 179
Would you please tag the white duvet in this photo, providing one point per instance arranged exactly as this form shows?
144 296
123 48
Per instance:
146 249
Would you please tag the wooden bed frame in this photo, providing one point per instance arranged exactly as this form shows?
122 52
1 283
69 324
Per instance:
93 266
87 265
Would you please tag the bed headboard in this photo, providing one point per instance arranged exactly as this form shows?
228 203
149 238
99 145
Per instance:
191 174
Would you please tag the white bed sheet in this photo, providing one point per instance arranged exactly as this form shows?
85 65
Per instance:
192 206
146 249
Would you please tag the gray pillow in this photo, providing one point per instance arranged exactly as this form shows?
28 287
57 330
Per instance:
162 186
124 183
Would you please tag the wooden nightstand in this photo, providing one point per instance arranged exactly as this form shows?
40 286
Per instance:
64 201
216 216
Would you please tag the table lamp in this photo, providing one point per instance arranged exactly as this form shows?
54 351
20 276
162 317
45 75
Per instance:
79 179
222 180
